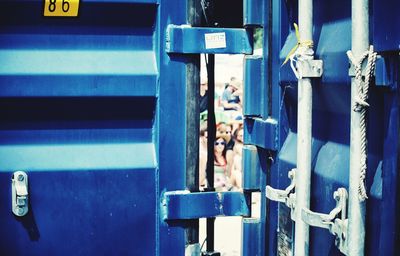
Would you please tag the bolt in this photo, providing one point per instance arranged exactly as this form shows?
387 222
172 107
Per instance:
20 211
20 177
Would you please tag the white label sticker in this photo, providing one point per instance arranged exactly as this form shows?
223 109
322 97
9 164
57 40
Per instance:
215 40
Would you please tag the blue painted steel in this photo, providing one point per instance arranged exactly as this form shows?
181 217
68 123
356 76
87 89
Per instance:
251 167
262 133
182 205
81 212
331 117
78 73
386 71
87 105
385 23
253 12
252 238
254 103
86 111
186 39
126 1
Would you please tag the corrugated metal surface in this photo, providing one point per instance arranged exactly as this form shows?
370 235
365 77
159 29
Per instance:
87 106
331 122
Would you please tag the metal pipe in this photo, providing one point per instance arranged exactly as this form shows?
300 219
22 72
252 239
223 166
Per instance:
304 128
359 44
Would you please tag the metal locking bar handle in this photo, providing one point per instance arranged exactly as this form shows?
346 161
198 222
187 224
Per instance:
286 196
19 193
336 225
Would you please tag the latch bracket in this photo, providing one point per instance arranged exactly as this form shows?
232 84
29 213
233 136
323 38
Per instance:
286 196
19 193
310 68
335 224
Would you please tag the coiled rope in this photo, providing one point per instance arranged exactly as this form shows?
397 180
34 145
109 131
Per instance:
361 104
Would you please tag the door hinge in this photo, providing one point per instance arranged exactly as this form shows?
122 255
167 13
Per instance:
261 133
189 40
184 205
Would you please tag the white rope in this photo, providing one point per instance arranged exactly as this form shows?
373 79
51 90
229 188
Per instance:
302 53
361 105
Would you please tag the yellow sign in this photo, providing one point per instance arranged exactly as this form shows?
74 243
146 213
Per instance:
61 8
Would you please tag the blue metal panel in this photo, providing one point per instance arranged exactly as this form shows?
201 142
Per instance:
83 56
331 117
81 212
85 110
125 1
185 39
77 73
181 205
386 23
390 178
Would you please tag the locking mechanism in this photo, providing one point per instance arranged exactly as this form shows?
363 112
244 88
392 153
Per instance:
286 196
19 193
336 221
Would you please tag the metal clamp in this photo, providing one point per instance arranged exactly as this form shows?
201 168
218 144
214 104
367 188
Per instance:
336 226
310 68
19 188
286 196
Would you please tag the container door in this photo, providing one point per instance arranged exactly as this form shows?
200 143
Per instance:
92 127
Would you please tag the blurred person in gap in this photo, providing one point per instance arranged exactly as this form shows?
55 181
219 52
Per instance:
203 156
221 182
236 171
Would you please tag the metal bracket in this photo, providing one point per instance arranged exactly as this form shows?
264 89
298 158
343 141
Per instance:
386 72
19 191
352 72
336 226
285 196
310 68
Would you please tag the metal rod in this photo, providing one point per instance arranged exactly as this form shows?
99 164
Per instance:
359 44
304 128
211 130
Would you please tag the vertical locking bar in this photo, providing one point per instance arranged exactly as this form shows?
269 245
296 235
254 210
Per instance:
304 128
359 44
